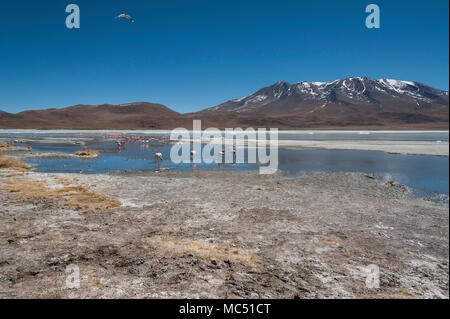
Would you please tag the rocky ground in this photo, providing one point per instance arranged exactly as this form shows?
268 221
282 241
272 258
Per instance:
208 234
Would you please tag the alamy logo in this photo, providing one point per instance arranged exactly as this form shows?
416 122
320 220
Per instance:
226 147
372 277
73 277
373 19
73 19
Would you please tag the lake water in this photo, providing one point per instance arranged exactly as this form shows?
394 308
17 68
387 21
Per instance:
428 174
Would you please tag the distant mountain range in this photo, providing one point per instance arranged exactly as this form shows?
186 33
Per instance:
107 116
356 103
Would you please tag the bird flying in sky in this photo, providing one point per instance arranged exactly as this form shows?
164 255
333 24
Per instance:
123 15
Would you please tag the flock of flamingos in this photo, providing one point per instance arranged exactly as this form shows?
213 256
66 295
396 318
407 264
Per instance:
120 140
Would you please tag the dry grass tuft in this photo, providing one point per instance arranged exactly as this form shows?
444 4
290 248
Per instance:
151 213
95 282
57 236
332 241
11 163
78 196
171 245
26 189
87 153
66 181
14 174
82 197
8 147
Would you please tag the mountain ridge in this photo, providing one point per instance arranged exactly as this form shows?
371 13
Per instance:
356 102
341 91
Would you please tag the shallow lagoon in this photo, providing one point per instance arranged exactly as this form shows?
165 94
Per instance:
429 174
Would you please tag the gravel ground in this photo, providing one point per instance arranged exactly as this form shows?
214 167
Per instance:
225 234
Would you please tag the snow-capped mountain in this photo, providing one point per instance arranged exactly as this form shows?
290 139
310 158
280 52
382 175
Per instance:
357 93
353 103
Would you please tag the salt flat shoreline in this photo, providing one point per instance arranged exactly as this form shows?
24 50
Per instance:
396 147
50 131
206 234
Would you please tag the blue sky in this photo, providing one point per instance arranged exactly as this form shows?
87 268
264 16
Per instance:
192 54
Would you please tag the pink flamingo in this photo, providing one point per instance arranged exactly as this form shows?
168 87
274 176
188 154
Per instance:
159 158
222 158
193 165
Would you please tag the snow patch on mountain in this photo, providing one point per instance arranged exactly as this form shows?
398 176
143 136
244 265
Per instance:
341 91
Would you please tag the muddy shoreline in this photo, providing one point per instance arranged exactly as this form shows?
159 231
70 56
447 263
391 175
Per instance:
216 234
